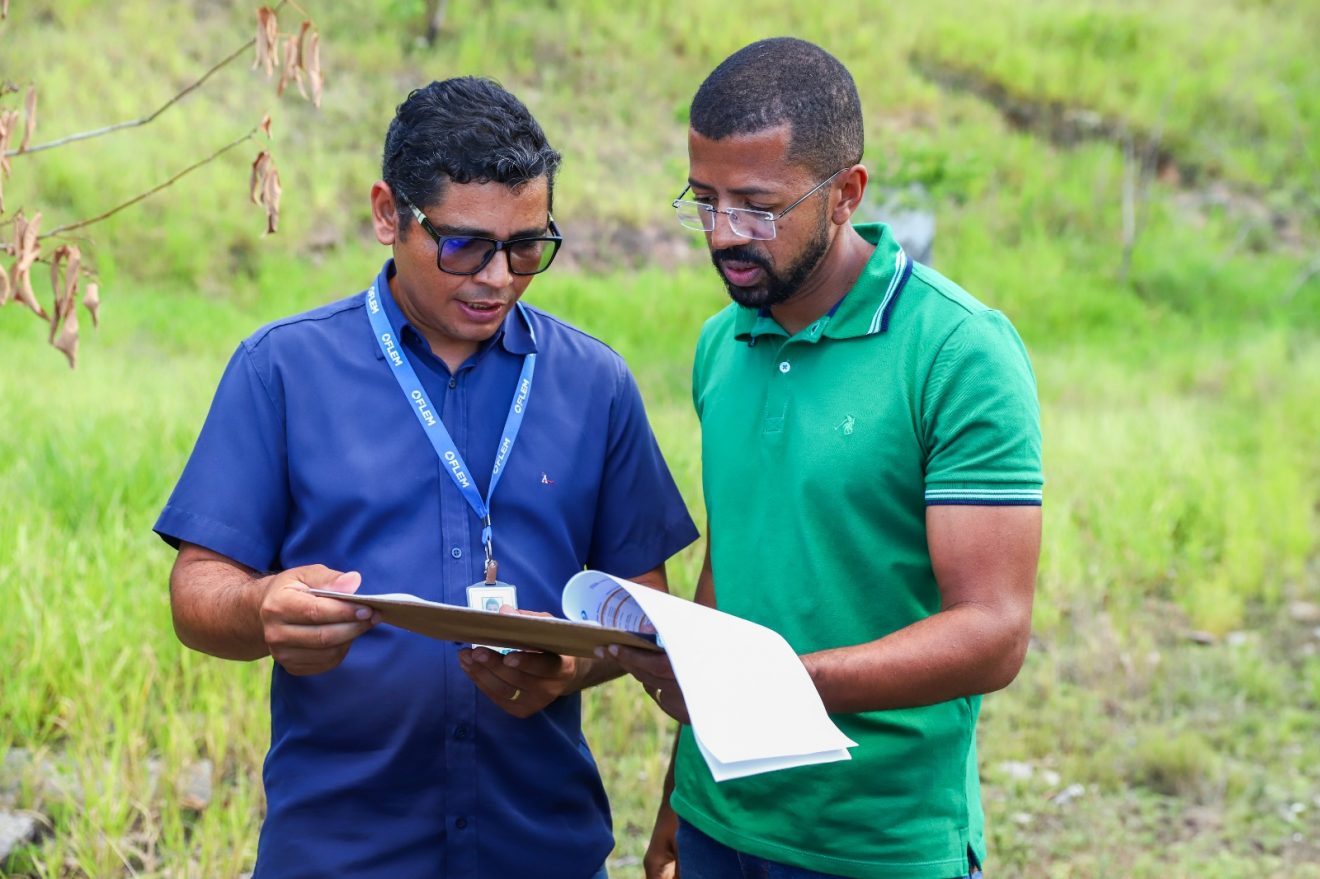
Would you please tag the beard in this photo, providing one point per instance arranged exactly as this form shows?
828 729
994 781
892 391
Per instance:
774 287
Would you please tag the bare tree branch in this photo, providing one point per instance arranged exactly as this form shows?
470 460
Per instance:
155 189
135 123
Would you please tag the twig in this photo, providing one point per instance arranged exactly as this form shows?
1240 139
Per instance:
132 201
135 123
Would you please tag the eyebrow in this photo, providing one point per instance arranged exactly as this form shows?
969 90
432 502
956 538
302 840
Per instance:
475 232
741 190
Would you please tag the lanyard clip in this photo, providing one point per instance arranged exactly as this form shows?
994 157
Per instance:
492 567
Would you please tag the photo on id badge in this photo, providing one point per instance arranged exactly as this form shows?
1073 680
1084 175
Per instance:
489 597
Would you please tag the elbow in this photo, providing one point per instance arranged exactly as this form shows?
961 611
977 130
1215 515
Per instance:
1008 659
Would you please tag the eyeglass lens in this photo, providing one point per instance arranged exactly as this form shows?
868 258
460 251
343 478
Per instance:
470 255
748 224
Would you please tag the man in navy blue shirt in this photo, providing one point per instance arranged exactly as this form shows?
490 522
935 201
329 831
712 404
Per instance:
400 440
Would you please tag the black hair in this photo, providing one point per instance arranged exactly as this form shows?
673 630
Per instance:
465 130
785 80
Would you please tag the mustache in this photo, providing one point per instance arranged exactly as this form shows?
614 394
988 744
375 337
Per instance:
740 253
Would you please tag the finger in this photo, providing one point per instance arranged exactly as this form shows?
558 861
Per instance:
292 605
483 665
319 637
510 609
540 665
497 688
640 663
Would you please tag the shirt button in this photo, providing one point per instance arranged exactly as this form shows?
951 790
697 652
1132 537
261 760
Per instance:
453 382
460 823
456 552
784 366
461 731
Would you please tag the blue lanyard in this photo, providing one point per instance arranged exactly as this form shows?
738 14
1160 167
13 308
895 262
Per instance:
440 439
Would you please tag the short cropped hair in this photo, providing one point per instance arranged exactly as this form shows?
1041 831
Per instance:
785 80
463 130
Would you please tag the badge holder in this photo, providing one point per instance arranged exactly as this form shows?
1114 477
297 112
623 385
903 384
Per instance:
490 594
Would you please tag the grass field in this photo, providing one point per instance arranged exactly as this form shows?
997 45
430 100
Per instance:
1167 721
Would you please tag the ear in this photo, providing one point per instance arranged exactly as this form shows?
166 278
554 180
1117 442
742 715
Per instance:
850 194
384 213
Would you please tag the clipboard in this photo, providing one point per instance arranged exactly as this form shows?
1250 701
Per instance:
465 625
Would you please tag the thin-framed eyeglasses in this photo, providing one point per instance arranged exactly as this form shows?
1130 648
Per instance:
469 254
745 222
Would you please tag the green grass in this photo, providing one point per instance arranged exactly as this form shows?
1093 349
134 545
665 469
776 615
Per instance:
1179 406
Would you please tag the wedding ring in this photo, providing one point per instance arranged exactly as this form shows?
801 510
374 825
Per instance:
516 694
658 691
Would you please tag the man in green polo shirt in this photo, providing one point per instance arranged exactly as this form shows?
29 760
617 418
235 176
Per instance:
872 474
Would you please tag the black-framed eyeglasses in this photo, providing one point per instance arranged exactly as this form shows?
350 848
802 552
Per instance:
469 254
744 222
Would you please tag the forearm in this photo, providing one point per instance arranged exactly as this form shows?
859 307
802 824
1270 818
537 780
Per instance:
960 651
216 604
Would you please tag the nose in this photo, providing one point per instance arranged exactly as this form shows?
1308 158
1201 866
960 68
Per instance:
496 273
722 235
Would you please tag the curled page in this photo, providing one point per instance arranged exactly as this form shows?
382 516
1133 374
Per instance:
752 704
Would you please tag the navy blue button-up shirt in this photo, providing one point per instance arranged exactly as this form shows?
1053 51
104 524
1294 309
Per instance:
394 764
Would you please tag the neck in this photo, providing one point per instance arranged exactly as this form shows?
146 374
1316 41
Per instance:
836 274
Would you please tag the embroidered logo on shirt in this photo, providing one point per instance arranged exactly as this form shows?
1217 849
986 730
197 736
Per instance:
846 425
546 480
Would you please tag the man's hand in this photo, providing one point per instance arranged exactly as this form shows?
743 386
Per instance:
655 673
308 634
523 682
661 858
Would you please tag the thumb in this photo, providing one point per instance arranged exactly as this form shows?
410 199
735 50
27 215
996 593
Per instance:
347 582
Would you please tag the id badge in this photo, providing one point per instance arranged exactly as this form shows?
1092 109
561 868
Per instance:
489 597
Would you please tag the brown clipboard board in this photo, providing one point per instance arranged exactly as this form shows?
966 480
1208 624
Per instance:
465 625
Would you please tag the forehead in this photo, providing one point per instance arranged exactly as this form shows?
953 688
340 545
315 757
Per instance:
493 207
743 163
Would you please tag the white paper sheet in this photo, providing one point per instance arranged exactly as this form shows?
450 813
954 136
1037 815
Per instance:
752 704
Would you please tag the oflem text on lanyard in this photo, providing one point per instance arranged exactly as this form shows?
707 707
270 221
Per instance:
435 430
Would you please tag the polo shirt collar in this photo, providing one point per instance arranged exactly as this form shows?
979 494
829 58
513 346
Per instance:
866 308
514 335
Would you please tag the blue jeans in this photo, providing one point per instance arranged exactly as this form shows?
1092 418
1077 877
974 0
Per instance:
700 857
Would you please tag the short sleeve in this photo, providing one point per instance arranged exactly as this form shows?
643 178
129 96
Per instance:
233 495
981 418
641 519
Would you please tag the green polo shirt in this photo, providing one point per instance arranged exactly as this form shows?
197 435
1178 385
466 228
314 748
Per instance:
820 453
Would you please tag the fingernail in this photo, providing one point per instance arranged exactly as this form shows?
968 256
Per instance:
614 650
511 661
362 613
600 652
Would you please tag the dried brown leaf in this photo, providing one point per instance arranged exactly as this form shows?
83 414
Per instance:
260 167
264 125
92 302
268 34
302 37
8 122
68 338
4 287
4 9
314 78
27 247
270 197
65 265
30 105
290 70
